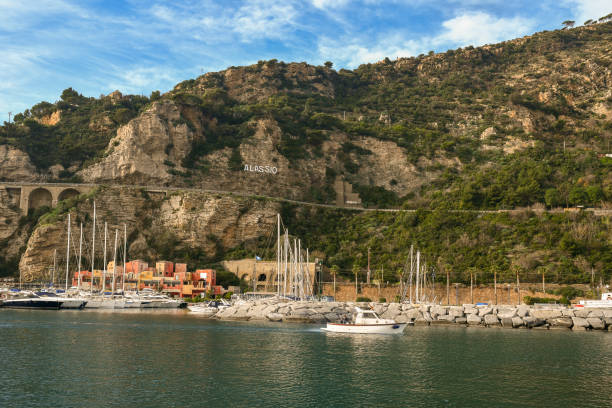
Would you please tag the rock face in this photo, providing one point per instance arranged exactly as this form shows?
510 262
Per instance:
146 148
258 83
15 165
192 221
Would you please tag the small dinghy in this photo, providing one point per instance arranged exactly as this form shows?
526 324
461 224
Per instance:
366 322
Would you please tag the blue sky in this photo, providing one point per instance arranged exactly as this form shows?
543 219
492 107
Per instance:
137 46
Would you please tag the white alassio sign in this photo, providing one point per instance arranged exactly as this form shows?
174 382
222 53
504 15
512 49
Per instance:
260 169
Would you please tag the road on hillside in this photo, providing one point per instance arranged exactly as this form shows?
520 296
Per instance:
596 211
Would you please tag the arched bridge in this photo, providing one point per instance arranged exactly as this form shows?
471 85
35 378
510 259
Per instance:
31 196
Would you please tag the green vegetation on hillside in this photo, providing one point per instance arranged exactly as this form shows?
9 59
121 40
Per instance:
565 247
543 139
85 127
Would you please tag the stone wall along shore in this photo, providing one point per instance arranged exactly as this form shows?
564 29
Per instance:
523 316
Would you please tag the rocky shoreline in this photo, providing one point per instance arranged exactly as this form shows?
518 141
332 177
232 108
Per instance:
506 316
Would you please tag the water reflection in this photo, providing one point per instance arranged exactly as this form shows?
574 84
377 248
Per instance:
102 359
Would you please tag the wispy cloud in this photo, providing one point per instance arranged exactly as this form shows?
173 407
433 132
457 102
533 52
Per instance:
264 19
462 30
329 4
584 10
481 28
142 45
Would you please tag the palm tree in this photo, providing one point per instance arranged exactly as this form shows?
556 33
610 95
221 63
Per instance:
356 273
334 270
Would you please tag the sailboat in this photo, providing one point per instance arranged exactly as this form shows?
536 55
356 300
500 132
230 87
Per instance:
51 298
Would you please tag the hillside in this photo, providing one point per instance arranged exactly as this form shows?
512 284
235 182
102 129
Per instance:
489 127
521 123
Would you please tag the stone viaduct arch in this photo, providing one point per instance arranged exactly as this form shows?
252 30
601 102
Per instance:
40 197
32 196
68 193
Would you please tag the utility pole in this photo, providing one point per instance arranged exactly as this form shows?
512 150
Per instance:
10 114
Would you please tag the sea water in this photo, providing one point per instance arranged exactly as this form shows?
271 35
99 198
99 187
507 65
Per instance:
175 359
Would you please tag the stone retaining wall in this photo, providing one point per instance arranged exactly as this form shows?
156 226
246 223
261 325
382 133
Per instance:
548 317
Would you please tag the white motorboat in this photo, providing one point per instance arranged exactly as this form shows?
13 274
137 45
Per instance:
209 308
366 322
153 300
42 300
605 302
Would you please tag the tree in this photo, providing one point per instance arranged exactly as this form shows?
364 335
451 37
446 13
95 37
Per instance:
595 194
235 160
155 95
329 64
578 196
552 197
334 271
568 24
356 270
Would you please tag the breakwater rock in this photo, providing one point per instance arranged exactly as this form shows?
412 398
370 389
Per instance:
506 316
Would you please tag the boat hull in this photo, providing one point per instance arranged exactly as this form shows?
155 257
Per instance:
73 304
44 304
390 328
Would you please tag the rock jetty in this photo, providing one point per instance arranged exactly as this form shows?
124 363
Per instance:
506 316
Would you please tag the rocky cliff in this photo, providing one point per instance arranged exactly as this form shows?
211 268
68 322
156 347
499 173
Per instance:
15 165
174 226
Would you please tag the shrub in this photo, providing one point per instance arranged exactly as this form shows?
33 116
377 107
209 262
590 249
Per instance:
529 300
382 300
363 299
569 292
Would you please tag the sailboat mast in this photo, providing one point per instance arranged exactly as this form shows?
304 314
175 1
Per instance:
124 256
114 261
67 254
418 271
80 254
104 269
411 271
308 274
278 257
54 267
295 267
285 247
93 251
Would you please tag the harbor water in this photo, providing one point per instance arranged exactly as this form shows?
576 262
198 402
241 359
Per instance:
174 359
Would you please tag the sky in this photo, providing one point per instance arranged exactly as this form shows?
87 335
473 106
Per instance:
138 46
